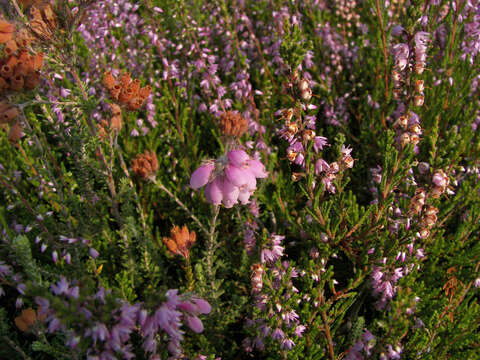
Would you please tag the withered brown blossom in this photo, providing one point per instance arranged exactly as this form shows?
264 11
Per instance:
180 241
126 91
233 124
27 319
145 165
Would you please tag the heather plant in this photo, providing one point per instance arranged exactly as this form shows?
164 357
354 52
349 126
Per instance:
238 179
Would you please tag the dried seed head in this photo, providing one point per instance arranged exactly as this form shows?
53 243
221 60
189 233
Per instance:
145 165
233 124
180 241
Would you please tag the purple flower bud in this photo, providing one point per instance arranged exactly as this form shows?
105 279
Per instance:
195 324
93 253
54 256
203 306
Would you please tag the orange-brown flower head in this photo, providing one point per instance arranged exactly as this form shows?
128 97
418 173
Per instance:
6 31
233 124
145 165
126 90
16 132
42 20
180 241
26 320
8 113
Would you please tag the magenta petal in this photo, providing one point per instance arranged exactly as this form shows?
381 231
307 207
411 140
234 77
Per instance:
201 176
238 176
238 158
195 324
257 169
213 191
230 193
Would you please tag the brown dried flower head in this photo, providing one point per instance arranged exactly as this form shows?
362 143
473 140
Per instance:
6 31
27 319
233 124
126 91
145 165
42 20
180 241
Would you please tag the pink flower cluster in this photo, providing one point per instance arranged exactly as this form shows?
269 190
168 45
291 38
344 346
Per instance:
229 179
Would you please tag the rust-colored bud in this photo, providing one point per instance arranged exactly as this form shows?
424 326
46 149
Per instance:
16 132
6 31
4 106
115 91
16 83
180 241
134 86
233 124
115 109
126 95
109 81
38 62
32 80
3 85
6 72
135 103
10 47
124 80
9 114
116 123
145 165
23 38
257 278
26 320
144 92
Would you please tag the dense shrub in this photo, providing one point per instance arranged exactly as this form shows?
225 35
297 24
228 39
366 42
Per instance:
240 179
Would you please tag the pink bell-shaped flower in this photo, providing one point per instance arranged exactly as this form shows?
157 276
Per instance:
201 176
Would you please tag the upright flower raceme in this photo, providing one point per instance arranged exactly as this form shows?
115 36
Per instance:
229 179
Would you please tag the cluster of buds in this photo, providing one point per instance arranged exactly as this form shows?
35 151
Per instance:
18 69
9 117
441 181
347 11
114 124
299 87
401 53
233 124
257 278
180 241
421 41
126 91
229 179
328 172
429 215
145 165
408 129
417 202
